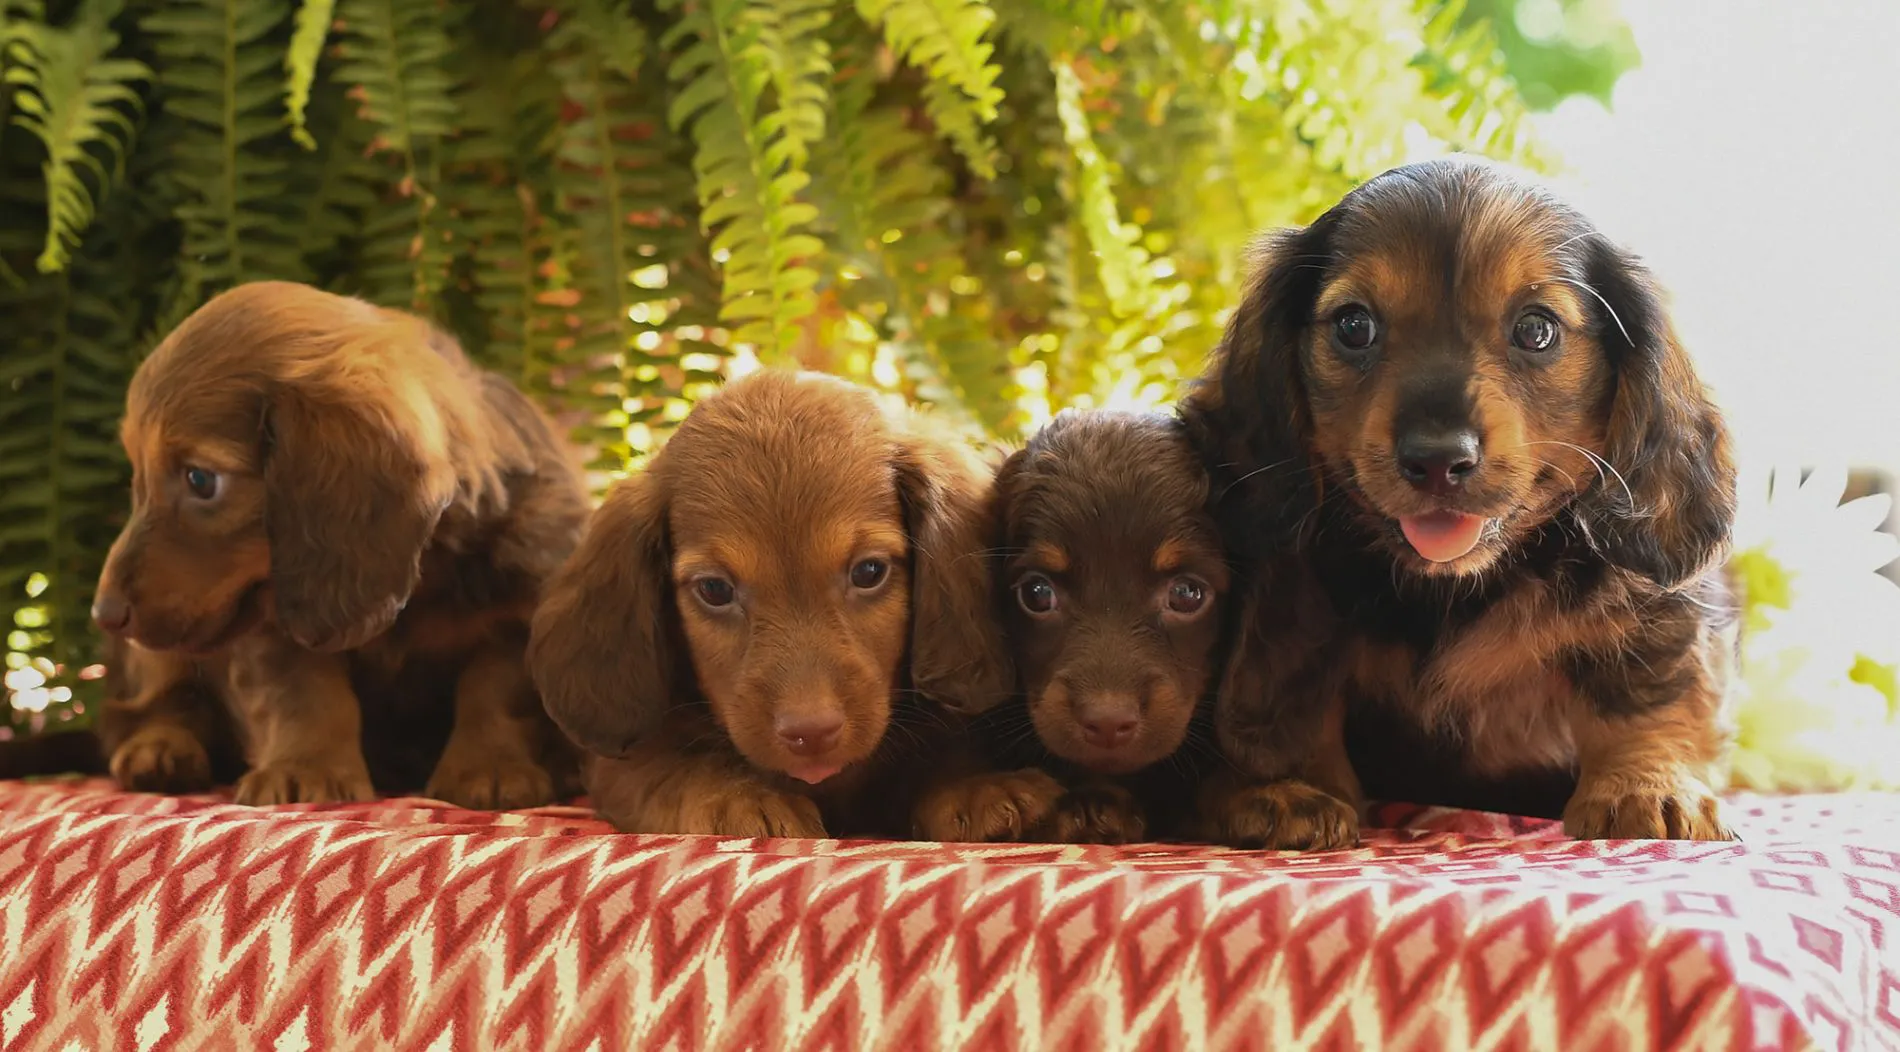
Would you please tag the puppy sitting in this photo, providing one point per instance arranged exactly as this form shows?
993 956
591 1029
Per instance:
339 530
1478 490
759 633
1115 576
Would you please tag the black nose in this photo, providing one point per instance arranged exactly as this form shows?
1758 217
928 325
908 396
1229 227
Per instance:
111 612
1108 721
1439 461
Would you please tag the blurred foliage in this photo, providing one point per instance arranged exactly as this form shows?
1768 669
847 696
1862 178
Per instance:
996 206
1554 49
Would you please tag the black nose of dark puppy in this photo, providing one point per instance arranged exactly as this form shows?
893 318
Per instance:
1438 462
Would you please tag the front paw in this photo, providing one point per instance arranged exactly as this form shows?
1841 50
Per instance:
987 807
1287 815
1097 814
305 781
162 759
757 811
1681 811
499 784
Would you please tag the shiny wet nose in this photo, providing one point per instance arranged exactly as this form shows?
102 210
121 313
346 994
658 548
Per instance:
1108 721
809 734
1439 461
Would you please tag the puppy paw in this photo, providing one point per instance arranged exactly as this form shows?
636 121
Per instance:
1097 814
305 782
1287 815
161 759
763 812
500 784
987 807
1658 812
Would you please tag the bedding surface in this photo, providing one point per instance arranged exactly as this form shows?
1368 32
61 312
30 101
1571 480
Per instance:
144 922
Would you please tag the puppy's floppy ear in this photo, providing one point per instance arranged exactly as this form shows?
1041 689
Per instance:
604 652
958 657
353 498
1248 412
1665 437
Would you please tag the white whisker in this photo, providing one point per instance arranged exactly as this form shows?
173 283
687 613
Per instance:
1606 306
1602 466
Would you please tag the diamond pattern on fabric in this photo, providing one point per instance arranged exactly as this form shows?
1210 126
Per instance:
144 922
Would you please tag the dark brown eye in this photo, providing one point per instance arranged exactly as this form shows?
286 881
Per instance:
1354 328
869 573
1186 595
1535 331
1037 595
203 484
715 592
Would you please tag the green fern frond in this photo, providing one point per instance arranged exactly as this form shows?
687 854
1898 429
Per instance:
947 40
749 161
499 167
1482 107
20 22
62 476
221 95
300 64
1123 266
81 103
888 202
395 57
334 188
631 269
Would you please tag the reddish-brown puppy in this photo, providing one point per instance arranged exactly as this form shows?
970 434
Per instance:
1115 578
764 632
339 531
1479 490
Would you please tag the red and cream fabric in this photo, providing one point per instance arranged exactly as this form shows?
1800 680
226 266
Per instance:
143 923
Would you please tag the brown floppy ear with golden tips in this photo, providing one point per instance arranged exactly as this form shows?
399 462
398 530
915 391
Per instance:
1670 513
1249 408
958 655
605 647
354 498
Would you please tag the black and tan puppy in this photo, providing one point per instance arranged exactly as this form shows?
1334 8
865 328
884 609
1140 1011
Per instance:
1477 489
1114 582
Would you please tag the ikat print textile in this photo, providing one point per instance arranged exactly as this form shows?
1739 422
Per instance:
132 922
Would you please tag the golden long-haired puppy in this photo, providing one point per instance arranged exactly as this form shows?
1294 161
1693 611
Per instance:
764 632
1483 501
339 531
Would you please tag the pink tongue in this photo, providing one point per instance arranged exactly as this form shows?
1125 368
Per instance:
1443 535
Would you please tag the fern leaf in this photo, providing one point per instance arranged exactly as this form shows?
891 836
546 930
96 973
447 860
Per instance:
946 39
300 64
499 167
889 204
335 187
80 103
62 477
632 268
749 164
395 56
217 67
1123 264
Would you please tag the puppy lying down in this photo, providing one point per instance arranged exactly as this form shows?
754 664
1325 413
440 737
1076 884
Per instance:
1114 578
770 630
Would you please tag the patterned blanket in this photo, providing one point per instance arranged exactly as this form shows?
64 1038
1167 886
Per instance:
141 922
